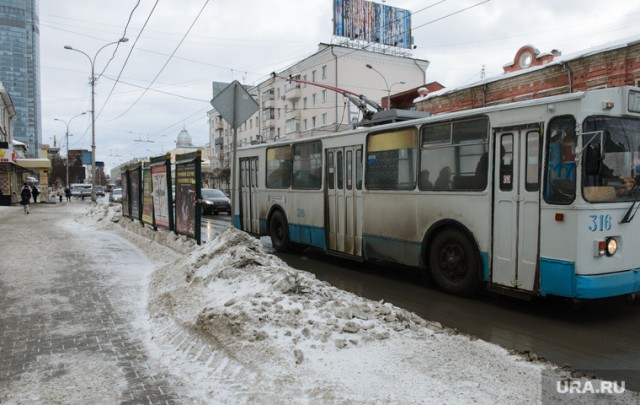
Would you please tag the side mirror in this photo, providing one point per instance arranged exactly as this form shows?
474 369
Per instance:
592 160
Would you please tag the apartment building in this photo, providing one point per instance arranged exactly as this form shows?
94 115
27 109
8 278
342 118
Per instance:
312 104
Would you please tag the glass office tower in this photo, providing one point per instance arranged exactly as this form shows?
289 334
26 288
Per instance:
20 68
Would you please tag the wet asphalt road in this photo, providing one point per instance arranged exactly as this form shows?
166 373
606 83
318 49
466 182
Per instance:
601 338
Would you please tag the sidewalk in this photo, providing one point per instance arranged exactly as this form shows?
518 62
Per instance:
69 317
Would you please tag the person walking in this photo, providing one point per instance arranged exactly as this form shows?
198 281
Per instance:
67 193
35 193
25 197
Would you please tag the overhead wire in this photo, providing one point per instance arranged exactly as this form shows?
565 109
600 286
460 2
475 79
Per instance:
130 52
166 63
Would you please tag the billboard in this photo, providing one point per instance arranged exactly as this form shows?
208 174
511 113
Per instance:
372 22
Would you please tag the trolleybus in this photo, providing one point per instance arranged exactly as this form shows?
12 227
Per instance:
531 198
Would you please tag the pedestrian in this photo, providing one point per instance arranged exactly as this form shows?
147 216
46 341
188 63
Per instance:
35 193
25 196
59 192
67 193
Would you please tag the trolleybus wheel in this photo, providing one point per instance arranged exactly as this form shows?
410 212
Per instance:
279 232
454 263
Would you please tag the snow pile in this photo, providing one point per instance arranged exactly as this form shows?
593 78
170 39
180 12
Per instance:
241 326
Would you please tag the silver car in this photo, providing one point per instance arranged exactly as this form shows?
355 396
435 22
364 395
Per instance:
116 195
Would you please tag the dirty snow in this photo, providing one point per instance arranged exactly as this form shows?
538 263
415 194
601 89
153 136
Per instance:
238 325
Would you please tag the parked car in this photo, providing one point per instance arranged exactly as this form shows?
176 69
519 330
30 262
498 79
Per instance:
215 201
79 191
100 190
116 195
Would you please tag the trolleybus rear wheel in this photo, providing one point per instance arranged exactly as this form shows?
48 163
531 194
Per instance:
454 263
279 232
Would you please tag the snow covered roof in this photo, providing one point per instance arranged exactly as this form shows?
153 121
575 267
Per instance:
558 60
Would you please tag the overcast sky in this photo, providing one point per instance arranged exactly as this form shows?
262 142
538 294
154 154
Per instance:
245 40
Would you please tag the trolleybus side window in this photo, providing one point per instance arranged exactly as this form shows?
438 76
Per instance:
279 167
307 165
391 160
454 155
560 187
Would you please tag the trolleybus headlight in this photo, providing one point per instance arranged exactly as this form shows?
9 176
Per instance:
611 246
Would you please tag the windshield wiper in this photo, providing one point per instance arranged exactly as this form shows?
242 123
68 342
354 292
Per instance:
628 217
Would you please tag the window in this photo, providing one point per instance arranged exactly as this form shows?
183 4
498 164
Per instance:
532 168
279 167
324 72
304 125
454 155
330 171
314 99
324 119
313 122
292 125
304 103
611 161
359 169
307 165
560 176
391 160
313 76
267 95
324 96
506 162
268 114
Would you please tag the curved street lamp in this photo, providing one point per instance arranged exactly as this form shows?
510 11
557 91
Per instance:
93 110
386 85
67 135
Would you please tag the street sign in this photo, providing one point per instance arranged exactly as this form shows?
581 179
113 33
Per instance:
235 104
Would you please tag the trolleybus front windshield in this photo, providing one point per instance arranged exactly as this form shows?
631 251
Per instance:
615 176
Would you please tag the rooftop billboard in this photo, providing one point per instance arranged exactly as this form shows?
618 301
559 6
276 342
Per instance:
373 22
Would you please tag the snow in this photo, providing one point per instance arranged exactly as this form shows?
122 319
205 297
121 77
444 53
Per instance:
238 325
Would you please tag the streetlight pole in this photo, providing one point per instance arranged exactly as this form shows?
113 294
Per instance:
93 111
67 136
385 82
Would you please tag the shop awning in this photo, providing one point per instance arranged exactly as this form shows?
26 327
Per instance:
37 163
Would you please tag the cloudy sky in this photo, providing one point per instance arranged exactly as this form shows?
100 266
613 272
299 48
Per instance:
159 82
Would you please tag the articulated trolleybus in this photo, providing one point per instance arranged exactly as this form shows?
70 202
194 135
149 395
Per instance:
531 198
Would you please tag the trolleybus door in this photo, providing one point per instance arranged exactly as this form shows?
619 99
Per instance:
248 194
516 207
344 200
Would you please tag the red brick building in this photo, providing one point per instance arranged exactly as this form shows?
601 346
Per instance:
533 75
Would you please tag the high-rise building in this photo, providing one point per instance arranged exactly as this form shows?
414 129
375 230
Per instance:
20 68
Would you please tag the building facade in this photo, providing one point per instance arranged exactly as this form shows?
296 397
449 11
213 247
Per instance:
20 68
312 104
533 74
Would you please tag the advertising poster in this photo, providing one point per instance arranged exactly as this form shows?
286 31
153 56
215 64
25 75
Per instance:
161 203
147 197
125 195
186 199
134 191
187 208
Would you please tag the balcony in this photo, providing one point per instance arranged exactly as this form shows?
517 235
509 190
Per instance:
293 93
293 114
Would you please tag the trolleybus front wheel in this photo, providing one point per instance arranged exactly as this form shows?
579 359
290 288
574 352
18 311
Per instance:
279 232
454 263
